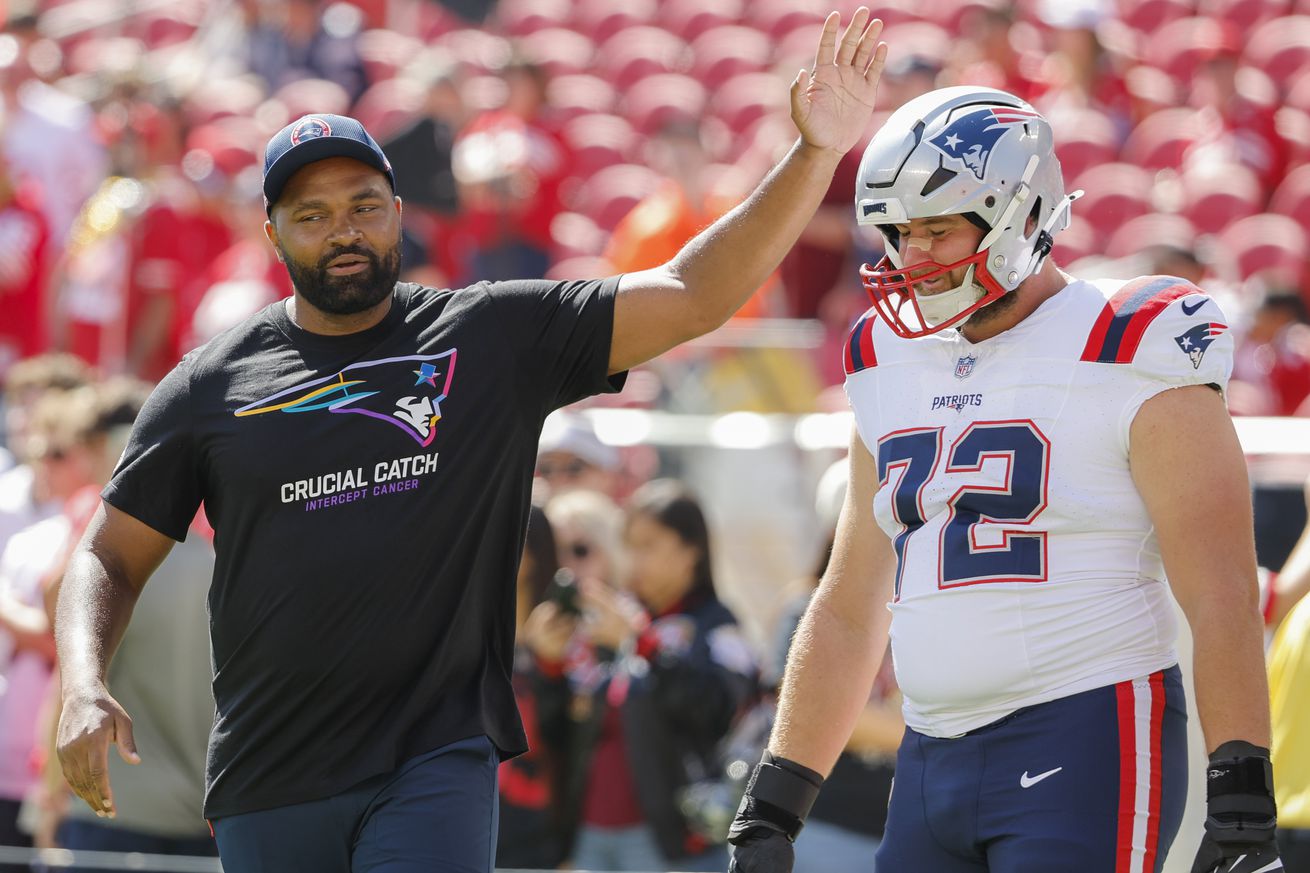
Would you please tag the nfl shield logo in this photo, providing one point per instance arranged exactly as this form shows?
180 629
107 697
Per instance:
964 366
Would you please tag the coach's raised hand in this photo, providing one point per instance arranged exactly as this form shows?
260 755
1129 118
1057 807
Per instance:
831 105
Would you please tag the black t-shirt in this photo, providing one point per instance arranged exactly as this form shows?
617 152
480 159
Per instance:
369 495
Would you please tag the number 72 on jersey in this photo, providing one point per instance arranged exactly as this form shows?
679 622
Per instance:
911 459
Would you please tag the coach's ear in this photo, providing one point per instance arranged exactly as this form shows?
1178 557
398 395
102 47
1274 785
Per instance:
271 232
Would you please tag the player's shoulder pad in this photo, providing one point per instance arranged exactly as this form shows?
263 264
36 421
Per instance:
859 353
1165 328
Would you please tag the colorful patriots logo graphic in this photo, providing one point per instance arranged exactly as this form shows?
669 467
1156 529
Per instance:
1198 339
970 138
405 392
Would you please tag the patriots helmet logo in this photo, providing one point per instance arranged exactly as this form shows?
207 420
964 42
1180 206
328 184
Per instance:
312 127
1198 339
970 138
404 392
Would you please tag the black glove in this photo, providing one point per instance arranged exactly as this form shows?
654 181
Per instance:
1239 826
772 812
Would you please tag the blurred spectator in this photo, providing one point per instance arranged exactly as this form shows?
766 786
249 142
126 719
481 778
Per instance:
25 496
989 54
820 260
1237 129
48 137
531 827
588 530
24 271
66 443
1293 581
420 151
1289 677
843 832
1271 366
509 164
1078 71
307 39
571 457
160 799
669 677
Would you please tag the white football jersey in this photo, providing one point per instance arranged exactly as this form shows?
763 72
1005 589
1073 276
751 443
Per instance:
1028 567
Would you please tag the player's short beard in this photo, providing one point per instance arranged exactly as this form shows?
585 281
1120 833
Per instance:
993 310
346 295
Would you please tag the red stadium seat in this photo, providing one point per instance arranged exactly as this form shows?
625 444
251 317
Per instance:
780 17
479 50
385 107
558 50
1075 242
1244 14
745 99
1084 138
1179 46
1297 92
579 268
922 38
313 95
721 53
1266 243
599 141
1161 139
519 17
575 235
580 94
1147 16
610 194
384 52
1280 47
657 100
601 19
691 18
1114 194
1215 196
632 54
1155 228
1292 197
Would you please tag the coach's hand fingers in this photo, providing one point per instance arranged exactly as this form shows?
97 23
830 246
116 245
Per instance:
87 725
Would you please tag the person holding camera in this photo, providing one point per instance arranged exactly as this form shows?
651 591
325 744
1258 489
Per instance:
649 679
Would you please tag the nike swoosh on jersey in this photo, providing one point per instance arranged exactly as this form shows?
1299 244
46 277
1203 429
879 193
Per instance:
1191 310
1026 781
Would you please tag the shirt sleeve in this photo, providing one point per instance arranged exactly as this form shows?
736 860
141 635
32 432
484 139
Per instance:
157 480
560 334
1189 343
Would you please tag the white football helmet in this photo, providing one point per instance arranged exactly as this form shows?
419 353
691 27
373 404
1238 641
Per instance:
978 152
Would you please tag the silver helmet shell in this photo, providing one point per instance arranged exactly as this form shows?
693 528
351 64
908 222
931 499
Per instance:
978 152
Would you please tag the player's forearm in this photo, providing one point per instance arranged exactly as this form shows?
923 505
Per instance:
95 605
830 670
723 265
1232 693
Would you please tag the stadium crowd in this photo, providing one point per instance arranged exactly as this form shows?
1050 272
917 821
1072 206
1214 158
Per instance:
579 138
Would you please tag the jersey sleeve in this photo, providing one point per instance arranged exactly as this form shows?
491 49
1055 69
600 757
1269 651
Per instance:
1188 343
157 480
560 334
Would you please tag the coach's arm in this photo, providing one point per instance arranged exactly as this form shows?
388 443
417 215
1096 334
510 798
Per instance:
715 273
104 577
1189 468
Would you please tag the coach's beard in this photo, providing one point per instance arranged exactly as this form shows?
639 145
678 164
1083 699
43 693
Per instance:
346 295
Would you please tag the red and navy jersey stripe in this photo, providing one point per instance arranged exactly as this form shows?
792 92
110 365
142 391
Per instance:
859 346
1119 328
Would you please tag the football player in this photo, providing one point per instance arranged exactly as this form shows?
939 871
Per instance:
1038 463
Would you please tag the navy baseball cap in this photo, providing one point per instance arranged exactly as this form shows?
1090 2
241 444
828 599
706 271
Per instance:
315 138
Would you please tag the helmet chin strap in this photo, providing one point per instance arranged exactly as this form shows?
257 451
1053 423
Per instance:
936 308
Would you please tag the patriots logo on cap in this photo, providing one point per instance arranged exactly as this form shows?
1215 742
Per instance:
970 138
404 392
1198 339
312 127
